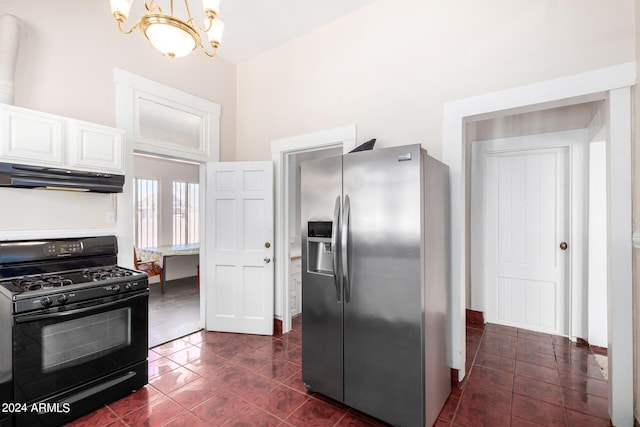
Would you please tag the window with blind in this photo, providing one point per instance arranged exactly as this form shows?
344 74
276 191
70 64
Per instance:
146 212
185 213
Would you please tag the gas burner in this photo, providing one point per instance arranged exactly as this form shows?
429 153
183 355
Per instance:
33 283
103 273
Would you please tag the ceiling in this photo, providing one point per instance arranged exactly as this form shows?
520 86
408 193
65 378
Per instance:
253 27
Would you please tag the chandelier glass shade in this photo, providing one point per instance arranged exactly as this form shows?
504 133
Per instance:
173 36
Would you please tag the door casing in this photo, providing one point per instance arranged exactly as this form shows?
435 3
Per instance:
281 149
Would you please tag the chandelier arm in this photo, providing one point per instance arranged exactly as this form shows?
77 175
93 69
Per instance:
195 24
213 45
209 54
130 30
151 6
211 15
186 5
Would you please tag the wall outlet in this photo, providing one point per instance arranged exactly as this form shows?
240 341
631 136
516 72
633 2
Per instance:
111 217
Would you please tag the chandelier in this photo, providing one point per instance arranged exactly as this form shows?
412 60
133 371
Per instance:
173 36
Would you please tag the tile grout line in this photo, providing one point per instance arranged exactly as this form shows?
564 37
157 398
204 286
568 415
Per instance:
465 382
252 404
564 402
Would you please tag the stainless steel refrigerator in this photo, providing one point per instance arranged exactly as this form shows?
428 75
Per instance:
375 227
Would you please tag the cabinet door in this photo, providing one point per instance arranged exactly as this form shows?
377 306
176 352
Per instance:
31 137
295 281
95 147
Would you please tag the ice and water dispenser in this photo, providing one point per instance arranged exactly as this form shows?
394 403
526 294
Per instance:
319 250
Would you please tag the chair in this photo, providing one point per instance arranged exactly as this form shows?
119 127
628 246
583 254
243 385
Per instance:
152 268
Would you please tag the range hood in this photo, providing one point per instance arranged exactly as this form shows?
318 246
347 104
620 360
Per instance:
26 176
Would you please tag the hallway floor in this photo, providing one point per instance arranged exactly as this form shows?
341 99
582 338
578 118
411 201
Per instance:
174 313
522 378
516 378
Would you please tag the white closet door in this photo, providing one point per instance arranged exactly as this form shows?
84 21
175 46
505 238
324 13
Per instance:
527 221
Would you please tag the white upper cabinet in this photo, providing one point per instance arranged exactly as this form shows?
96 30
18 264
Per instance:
95 147
35 138
29 137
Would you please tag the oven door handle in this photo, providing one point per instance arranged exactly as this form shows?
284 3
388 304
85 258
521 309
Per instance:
35 317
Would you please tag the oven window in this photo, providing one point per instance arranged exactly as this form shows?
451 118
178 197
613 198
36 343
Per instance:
77 341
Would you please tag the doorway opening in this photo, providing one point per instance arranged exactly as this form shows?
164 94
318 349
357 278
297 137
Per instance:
167 123
166 212
536 200
613 86
287 155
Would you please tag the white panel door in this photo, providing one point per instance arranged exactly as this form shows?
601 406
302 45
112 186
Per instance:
526 219
239 247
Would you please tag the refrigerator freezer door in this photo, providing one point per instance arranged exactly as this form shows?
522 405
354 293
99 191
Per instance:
322 350
383 336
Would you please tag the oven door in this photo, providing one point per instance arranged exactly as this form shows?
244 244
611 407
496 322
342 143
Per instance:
58 350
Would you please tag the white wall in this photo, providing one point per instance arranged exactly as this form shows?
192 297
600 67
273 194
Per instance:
597 230
28 211
389 67
636 229
597 275
68 50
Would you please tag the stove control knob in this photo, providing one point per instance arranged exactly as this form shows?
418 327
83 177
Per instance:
115 289
62 298
46 301
127 286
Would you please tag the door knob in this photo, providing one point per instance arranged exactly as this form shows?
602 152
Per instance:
564 246
267 260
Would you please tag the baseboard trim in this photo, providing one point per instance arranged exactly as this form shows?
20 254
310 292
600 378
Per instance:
594 348
604 351
277 326
454 378
475 317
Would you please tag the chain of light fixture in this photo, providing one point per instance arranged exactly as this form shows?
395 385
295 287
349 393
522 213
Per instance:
173 36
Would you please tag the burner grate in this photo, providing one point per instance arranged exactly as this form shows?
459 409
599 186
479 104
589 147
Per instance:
33 283
103 273
111 276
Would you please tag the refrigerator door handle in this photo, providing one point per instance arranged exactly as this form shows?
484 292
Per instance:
345 249
335 231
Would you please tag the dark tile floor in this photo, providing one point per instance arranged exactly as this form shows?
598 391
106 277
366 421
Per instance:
516 378
523 378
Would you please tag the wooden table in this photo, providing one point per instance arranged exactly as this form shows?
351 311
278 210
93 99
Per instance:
160 254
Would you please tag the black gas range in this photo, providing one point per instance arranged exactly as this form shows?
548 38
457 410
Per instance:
47 290
73 329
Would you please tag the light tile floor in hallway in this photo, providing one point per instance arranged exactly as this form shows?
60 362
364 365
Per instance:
516 378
